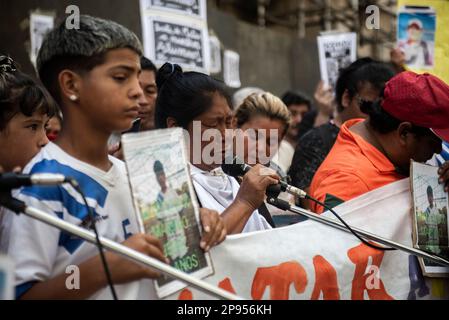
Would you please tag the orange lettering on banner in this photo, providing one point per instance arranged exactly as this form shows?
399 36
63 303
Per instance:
325 280
279 278
185 294
226 284
359 256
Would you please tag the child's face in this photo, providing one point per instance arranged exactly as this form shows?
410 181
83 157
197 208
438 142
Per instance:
22 139
110 93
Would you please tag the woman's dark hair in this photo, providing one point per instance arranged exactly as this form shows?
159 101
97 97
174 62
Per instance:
382 122
19 93
360 72
184 95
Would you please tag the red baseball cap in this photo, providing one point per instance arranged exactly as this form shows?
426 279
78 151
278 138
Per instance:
421 99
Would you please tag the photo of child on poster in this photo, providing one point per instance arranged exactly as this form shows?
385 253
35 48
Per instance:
165 201
430 215
416 37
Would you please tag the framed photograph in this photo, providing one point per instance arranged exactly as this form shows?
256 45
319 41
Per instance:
166 202
430 220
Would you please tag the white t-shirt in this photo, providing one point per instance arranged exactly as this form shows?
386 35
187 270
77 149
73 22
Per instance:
217 191
283 158
41 252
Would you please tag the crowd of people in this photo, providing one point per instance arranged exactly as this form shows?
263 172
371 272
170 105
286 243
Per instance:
94 84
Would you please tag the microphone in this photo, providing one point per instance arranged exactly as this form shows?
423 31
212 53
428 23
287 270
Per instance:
235 167
9 181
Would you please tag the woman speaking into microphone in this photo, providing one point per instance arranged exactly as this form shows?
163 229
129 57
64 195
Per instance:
198 103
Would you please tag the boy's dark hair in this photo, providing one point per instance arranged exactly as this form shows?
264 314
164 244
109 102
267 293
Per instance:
184 95
158 167
291 97
360 72
81 49
429 191
146 64
382 122
19 93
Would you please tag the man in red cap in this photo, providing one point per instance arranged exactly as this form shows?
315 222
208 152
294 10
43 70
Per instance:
408 123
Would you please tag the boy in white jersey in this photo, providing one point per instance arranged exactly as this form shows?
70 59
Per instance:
92 72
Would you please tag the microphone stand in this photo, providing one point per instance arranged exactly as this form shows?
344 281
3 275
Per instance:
19 207
284 205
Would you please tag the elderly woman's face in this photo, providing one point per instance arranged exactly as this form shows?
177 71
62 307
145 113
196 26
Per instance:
262 137
208 134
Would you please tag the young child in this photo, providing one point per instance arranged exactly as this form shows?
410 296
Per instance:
54 127
93 74
25 109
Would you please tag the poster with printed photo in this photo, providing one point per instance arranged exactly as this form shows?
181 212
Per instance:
416 36
430 223
166 202
40 25
336 51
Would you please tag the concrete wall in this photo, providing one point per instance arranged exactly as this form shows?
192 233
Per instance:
14 20
273 60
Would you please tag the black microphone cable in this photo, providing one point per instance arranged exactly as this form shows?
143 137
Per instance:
233 166
107 272
359 237
348 227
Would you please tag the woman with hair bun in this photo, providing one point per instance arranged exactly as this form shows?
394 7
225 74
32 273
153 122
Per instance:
189 99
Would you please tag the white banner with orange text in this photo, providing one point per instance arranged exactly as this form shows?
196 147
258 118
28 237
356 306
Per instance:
310 260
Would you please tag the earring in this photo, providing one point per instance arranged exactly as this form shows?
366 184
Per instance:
73 97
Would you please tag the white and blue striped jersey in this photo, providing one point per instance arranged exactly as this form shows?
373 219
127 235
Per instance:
41 252
441 158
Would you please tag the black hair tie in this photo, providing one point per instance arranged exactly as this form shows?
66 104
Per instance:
7 64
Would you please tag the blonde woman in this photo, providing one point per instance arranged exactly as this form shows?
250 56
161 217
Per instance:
263 120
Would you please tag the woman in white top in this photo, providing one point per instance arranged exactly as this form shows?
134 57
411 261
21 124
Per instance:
200 105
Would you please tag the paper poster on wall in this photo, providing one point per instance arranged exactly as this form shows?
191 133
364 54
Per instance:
416 36
40 25
6 278
193 8
336 51
231 69
215 55
173 40
440 9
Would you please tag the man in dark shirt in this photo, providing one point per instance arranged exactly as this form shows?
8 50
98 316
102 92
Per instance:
363 80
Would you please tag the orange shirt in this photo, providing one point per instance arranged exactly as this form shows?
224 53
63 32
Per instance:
352 168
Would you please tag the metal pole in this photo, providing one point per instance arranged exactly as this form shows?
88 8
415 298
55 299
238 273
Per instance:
130 254
367 235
